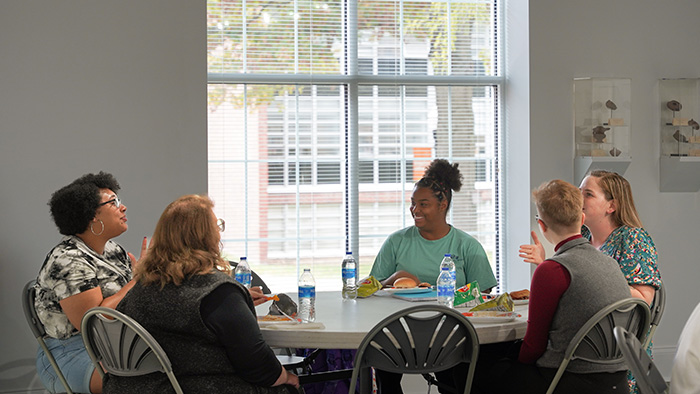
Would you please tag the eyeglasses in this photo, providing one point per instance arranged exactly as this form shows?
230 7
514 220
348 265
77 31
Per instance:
221 223
115 201
539 219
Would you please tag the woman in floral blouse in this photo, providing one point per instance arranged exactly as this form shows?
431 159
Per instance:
613 226
86 269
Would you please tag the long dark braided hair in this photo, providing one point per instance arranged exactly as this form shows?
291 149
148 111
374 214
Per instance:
442 178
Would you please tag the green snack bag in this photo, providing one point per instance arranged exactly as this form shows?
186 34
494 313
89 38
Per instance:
368 286
502 303
468 293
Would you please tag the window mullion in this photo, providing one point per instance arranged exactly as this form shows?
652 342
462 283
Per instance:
352 159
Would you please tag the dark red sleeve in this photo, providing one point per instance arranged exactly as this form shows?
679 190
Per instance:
549 282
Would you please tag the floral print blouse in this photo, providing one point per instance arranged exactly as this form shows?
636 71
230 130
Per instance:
634 251
71 268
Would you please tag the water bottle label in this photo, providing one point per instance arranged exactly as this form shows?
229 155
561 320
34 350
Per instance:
348 273
243 278
445 291
305 292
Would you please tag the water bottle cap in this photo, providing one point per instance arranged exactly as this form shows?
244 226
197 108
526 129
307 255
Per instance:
307 269
350 253
445 268
243 258
448 255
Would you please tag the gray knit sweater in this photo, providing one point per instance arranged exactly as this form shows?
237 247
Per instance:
596 282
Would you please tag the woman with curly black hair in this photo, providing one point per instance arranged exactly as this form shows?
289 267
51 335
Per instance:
86 269
416 251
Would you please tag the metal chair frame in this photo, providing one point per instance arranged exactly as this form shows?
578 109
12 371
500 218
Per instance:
418 340
595 342
28 297
649 379
122 346
657 310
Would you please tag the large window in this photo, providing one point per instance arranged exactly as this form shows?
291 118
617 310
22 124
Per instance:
323 113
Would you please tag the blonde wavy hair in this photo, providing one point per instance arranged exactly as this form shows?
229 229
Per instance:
616 187
186 242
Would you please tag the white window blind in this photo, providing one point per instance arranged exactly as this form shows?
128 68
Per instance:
322 115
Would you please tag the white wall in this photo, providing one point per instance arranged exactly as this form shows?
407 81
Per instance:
642 40
85 86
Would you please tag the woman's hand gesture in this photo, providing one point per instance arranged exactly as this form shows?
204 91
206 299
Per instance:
144 249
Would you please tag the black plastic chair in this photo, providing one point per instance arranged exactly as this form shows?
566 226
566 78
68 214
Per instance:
595 342
418 340
649 379
122 346
28 297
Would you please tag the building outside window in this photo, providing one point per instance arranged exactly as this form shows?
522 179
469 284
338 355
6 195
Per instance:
323 113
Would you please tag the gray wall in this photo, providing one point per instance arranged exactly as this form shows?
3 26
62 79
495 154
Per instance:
120 86
85 86
642 40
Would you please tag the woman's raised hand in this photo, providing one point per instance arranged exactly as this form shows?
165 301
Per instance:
144 249
534 253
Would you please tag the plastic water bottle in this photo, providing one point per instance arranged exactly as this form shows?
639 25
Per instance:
349 277
307 297
242 272
445 288
449 263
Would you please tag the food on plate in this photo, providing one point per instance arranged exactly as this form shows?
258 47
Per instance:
273 318
468 295
520 294
502 303
424 284
405 283
368 286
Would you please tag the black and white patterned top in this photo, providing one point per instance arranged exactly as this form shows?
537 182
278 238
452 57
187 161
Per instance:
71 268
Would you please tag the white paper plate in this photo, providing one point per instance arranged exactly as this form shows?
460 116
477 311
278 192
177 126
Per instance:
491 316
412 290
264 323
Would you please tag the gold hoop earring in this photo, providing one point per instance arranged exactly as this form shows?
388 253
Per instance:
93 230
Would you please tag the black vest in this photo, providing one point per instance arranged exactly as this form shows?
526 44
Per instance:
172 316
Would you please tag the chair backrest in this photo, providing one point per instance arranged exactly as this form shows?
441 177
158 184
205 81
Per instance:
417 340
255 279
595 342
122 346
649 379
28 297
658 305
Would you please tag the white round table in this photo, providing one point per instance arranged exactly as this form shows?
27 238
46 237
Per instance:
347 322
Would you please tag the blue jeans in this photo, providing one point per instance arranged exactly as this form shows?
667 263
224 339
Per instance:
72 359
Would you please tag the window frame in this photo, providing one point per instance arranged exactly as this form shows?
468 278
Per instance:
353 79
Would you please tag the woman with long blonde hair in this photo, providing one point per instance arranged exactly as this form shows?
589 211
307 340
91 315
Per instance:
613 226
204 320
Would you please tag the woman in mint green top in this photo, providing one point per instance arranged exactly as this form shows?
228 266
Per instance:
417 251
406 250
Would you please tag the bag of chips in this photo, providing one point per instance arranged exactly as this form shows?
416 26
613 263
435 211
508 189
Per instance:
502 303
368 286
468 295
